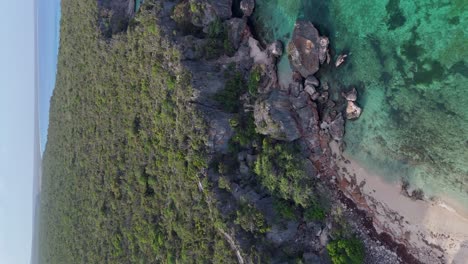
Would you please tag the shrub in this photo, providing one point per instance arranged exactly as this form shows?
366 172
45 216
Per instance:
223 183
285 209
254 81
250 219
346 251
229 96
314 212
245 131
281 170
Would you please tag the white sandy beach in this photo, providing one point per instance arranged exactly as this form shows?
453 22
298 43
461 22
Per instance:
434 231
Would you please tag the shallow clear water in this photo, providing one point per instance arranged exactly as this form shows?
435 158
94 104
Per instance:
408 62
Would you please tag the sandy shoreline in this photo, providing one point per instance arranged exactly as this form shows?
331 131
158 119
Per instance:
433 231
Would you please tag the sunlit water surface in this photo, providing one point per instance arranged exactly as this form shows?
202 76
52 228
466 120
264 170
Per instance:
408 62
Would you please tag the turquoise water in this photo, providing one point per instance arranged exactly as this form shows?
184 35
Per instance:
137 5
408 63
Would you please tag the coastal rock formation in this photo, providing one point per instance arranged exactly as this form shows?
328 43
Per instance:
222 8
351 95
312 81
274 118
353 111
340 60
307 49
247 7
336 128
236 27
114 16
276 48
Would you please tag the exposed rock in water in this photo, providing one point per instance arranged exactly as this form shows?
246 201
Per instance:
324 55
274 118
307 49
247 7
353 111
340 60
351 95
236 27
276 48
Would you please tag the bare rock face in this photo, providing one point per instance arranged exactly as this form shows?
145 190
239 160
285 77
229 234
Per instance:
276 48
307 50
351 95
312 81
247 7
324 55
337 128
353 111
222 8
274 118
236 27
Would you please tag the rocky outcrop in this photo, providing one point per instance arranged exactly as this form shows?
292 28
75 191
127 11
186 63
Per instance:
336 128
222 8
353 111
340 60
247 7
351 95
274 118
114 16
236 28
307 49
276 48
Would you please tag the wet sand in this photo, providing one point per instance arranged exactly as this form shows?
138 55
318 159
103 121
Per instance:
435 231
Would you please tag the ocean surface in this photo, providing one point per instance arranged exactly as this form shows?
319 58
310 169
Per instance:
408 61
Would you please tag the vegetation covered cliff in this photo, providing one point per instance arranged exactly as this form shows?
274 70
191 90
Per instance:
153 154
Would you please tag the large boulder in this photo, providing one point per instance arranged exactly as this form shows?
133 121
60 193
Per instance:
353 111
247 7
351 95
273 117
307 49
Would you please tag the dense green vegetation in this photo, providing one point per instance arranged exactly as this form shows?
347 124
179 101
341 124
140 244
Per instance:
125 151
346 251
229 96
282 171
250 219
124 171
